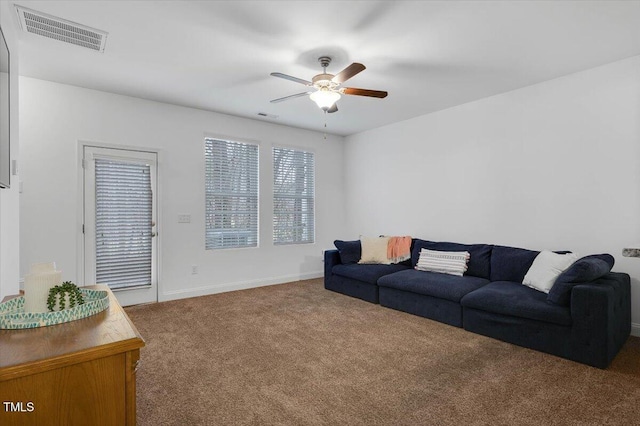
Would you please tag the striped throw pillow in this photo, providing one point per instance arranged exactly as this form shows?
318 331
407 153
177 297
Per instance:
445 262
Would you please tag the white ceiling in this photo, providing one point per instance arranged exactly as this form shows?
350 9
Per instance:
428 55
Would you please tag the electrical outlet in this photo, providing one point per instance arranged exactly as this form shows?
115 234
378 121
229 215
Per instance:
194 269
184 218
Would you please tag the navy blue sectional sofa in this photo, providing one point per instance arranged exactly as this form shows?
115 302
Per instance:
585 318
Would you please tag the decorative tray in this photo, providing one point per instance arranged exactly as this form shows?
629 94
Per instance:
13 316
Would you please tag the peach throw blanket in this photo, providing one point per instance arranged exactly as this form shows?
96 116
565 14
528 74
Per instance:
399 249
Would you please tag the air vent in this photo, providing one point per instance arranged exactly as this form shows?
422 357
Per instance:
39 23
264 114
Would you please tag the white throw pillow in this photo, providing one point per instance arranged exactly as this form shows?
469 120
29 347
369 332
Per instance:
444 262
374 250
546 268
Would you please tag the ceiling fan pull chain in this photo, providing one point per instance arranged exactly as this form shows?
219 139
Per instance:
325 124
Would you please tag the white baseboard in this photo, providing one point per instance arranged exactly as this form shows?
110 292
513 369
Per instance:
241 285
635 329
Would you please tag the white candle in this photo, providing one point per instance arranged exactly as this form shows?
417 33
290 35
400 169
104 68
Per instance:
37 283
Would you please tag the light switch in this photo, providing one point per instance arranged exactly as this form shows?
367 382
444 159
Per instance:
184 218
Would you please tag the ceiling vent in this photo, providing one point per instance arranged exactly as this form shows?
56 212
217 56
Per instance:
45 25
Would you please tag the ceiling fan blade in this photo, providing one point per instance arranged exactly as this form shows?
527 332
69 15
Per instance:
364 92
334 108
297 95
348 72
289 77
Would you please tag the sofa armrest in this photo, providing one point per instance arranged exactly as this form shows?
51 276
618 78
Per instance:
601 314
331 259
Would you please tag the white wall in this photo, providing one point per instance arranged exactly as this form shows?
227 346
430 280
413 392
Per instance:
554 165
55 117
9 198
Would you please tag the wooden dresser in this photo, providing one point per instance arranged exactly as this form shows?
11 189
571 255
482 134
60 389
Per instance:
78 373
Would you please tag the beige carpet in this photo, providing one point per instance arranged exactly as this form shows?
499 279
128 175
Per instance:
297 354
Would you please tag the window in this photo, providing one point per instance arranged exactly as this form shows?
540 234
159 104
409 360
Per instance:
293 196
231 186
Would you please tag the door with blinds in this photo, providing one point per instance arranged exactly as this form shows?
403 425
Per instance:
120 235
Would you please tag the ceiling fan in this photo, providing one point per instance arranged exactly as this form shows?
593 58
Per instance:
327 86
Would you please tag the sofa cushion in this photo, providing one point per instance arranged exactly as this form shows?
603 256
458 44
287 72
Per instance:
374 250
480 255
510 263
443 286
350 251
445 262
586 269
514 299
546 268
366 273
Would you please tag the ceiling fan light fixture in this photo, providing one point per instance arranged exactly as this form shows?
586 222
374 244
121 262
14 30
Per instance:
327 87
324 98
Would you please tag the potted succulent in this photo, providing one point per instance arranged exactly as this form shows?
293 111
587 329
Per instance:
64 294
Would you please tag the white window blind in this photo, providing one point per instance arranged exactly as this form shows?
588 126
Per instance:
123 223
231 186
293 196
